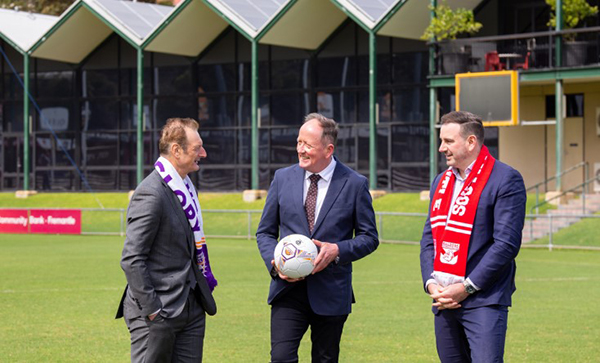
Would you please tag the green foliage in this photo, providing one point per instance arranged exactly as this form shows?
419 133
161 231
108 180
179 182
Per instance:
59 295
448 23
573 12
54 7
49 7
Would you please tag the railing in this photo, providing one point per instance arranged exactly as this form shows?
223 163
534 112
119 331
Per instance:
583 164
538 47
393 227
554 222
571 190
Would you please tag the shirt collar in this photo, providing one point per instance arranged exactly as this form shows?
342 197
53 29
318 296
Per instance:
467 171
326 173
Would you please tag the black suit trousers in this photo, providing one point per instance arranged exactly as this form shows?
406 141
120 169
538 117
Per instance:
291 315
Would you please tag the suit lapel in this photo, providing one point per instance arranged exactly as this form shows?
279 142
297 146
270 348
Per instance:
297 190
338 180
174 201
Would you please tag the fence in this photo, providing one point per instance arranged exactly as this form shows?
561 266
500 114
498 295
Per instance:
541 230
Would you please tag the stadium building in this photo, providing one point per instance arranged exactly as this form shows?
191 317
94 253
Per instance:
105 75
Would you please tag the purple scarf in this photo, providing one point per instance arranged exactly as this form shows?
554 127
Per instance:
188 199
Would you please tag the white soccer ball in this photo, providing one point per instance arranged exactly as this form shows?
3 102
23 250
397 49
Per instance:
295 256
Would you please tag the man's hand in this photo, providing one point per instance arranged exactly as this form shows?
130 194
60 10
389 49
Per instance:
284 277
327 253
448 297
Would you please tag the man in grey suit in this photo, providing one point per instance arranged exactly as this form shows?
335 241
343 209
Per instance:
164 257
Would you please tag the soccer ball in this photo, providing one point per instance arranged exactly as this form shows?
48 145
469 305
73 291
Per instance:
295 255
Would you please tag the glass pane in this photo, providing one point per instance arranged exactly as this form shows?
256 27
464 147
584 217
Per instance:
219 145
12 115
65 148
100 114
165 108
336 72
100 82
217 179
410 143
283 146
173 80
127 149
346 145
102 179
288 109
410 178
100 149
288 74
55 84
217 110
216 78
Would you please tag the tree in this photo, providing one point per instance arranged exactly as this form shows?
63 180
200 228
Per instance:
54 7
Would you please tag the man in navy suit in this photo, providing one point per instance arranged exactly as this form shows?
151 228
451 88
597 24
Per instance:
469 244
321 198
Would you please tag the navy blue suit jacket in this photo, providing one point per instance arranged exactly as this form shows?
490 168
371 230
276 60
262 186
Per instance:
346 218
495 240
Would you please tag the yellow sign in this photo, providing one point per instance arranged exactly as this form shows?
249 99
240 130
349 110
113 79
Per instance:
494 96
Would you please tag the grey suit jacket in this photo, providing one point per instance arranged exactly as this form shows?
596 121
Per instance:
159 255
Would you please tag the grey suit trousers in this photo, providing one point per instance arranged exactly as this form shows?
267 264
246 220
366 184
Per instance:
177 339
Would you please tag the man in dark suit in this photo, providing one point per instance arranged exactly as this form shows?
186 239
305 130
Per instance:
164 258
470 241
321 198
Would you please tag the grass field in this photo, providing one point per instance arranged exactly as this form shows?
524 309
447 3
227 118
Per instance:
59 294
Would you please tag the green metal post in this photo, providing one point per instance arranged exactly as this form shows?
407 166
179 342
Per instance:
26 122
558 96
254 105
559 132
372 110
433 165
140 115
558 37
433 150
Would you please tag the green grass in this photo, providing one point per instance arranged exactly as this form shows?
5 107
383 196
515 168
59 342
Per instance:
59 295
583 233
392 228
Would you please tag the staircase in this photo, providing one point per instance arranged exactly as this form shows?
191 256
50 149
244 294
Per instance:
539 227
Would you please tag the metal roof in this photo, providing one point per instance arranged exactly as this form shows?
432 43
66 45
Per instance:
22 29
370 12
249 16
133 19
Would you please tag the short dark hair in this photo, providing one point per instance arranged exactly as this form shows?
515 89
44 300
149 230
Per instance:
174 133
470 124
329 126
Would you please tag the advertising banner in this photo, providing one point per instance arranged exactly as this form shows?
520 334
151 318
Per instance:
13 221
63 221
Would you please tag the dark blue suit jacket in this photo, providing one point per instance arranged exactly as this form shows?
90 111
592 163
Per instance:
346 218
495 240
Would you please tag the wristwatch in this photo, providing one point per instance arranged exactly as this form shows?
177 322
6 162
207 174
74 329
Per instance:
470 289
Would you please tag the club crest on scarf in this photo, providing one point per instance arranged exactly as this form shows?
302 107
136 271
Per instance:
451 226
188 198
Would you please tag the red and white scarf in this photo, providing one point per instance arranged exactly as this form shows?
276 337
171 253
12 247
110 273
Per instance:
451 227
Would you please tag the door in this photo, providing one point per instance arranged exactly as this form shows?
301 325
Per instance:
573 152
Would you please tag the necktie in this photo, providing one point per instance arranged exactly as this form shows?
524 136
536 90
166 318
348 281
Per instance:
311 201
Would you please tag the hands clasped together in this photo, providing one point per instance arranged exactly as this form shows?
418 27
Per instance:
448 297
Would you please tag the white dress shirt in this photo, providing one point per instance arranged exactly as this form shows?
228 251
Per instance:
323 185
